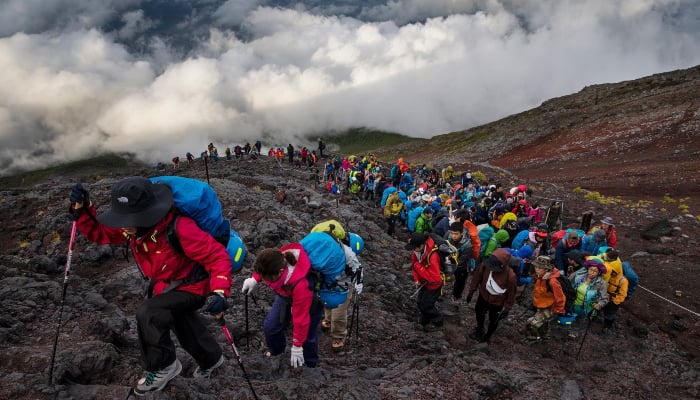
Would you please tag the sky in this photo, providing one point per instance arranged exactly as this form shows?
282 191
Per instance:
158 78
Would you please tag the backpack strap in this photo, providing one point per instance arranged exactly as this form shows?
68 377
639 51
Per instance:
198 273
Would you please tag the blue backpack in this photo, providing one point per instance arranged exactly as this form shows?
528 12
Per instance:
632 278
327 259
198 201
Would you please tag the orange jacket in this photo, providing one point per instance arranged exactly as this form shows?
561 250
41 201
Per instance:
553 299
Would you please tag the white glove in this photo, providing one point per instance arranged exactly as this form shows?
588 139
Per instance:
248 285
297 356
358 288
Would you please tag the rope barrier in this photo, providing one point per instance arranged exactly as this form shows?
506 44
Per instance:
675 304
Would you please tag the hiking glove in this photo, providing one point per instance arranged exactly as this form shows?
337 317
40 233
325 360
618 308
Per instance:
78 194
469 297
216 303
249 285
358 288
503 315
297 356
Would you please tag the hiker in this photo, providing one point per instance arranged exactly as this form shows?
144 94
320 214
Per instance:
176 162
570 242
321 147
591 289
290 154
392 209
285 271
426 275
592 243
423 221
547 298
440 222
608 225
617 287
497 285
139 215
464 217
495 242
459 238
335 320
575 260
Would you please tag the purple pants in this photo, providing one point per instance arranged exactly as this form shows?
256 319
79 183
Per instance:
279 318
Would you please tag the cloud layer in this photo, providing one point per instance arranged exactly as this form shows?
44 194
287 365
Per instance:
112 75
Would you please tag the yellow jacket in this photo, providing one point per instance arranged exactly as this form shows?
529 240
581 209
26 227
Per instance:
617 283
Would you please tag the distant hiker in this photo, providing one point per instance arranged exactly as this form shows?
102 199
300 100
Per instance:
285 271
423 221
497 285
246 148
176 162
592 243
608 225
575 260
227 153
258 146
290 154
321 147
617 287
428 280
190 158
547 298
570 242
392 210
139 215
591 289
458 237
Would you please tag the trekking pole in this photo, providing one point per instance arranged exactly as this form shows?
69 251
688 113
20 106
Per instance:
590 319
63 297
229 338
247 332
354 316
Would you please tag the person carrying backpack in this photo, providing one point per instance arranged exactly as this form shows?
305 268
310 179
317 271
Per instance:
139 214
459 238
286 271
547 297
497 285
428 279
591 289
617 287
423 221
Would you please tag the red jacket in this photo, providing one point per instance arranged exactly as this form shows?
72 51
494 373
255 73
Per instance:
427 271
158 261
297 289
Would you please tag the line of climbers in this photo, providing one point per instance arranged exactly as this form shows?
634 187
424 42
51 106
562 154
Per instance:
300 157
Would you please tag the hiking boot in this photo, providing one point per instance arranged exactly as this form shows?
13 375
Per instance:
476 335
338 344
156 380
206 372
325 325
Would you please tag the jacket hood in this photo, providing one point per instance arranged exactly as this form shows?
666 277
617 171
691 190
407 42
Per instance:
502 236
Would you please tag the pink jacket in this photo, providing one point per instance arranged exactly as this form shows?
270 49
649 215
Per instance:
298 290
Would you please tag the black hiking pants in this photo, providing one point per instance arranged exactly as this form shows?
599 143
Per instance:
481 308
174 311
461 274
426 306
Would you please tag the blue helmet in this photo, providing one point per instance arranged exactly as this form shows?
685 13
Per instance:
356 243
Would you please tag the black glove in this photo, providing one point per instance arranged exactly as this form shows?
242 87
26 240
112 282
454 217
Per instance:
78 194
503 315
216 303
469 297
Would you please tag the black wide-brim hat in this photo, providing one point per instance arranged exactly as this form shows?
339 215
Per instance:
136 202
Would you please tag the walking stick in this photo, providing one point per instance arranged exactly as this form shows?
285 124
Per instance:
355 316
229 338
590 319
63 297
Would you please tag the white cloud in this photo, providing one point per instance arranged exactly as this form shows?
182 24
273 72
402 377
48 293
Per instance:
297 73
